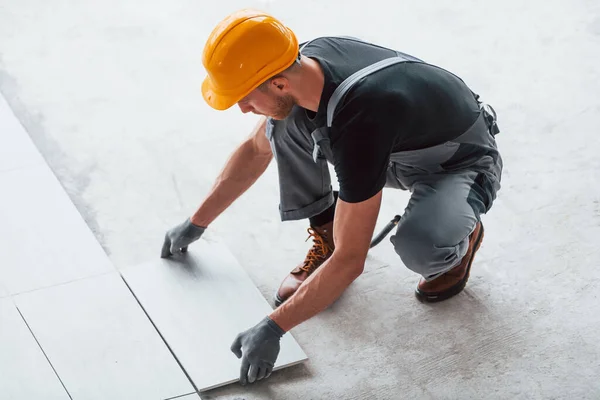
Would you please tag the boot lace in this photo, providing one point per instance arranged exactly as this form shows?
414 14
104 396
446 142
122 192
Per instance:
318 253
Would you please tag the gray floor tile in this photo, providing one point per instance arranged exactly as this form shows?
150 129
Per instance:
199 303
44 239
25 373
16 149
101 343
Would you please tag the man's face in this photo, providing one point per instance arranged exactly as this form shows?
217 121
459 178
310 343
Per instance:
268 102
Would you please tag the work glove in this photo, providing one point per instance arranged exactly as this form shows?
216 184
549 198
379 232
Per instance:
178 238
258 347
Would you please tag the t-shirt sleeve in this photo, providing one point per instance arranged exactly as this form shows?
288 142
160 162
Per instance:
362 142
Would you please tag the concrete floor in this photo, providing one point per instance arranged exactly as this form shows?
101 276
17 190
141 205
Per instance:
109 92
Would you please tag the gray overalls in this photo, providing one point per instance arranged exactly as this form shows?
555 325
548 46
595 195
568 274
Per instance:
452 184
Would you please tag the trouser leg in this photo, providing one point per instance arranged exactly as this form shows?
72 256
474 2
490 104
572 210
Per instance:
433 234
304 185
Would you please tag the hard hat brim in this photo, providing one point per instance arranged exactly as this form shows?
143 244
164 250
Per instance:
217 101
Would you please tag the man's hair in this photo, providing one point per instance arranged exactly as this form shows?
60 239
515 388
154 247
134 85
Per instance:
295 65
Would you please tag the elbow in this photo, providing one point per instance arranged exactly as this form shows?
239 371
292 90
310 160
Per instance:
357 269
354 265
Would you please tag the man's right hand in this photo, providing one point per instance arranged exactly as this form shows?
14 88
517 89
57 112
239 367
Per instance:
178 238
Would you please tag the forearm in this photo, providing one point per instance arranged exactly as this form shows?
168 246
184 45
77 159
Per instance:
242 169
320 290
352 230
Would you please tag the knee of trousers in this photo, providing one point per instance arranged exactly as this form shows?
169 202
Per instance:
425 249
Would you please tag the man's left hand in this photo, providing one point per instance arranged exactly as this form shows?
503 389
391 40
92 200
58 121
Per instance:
258 347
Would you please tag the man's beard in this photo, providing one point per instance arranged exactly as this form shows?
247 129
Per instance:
284 107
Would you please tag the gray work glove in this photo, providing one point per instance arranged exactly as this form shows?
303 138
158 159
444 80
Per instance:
178 238
258 347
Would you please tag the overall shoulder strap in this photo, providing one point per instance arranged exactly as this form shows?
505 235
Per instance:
343 88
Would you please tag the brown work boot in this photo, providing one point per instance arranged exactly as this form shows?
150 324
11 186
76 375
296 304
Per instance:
320 251
453 281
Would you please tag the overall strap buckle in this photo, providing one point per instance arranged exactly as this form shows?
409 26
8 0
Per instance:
321 139
490 118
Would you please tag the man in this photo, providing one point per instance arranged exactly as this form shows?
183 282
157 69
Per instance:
383 119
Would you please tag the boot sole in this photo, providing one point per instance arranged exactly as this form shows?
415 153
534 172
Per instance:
456 289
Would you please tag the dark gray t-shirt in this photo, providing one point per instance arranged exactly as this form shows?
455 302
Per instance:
406 106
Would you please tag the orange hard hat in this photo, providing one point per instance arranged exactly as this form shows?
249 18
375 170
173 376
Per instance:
243 51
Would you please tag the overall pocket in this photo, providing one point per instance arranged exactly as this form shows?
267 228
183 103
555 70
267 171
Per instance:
413 165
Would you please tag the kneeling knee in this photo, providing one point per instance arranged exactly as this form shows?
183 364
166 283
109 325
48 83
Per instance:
421 248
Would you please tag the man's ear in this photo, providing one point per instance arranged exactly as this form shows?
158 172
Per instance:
280 84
